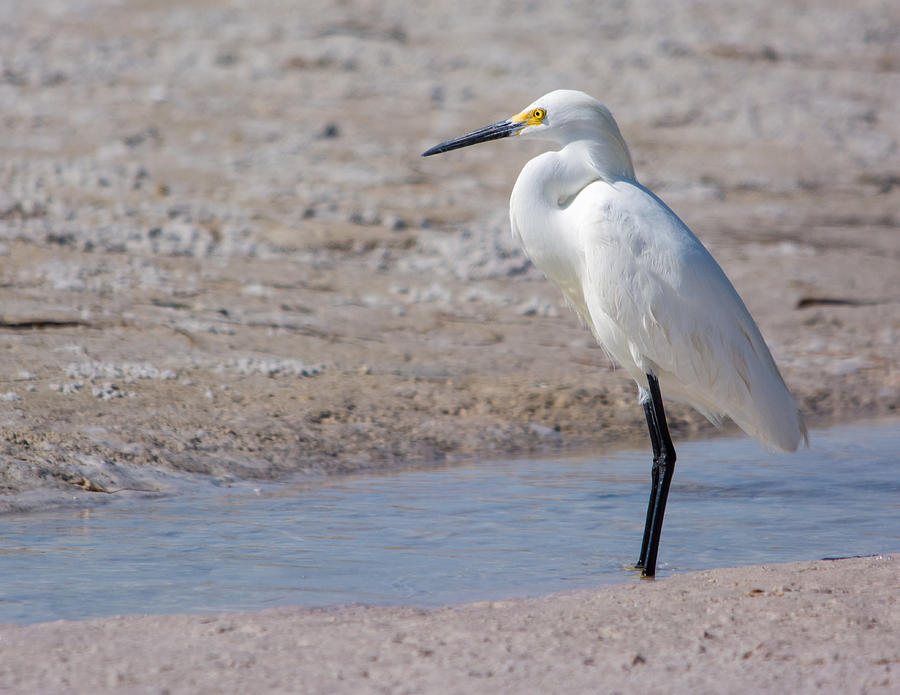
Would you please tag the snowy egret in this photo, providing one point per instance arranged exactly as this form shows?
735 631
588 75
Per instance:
653 296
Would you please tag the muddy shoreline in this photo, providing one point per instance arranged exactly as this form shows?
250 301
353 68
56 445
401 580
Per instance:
222 253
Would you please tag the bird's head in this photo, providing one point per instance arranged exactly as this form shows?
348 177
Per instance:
562 116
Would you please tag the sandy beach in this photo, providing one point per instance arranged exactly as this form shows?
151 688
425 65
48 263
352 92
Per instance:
222 256
820 627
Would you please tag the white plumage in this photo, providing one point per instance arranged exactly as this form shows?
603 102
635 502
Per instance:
653 296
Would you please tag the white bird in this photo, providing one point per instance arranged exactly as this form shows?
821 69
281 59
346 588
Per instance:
653 296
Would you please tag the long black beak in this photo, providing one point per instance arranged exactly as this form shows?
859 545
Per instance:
496 131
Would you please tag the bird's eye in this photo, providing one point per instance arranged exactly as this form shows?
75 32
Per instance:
538 114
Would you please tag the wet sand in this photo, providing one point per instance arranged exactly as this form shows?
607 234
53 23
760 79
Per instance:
223 256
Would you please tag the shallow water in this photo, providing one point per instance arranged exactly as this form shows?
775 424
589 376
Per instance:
483 531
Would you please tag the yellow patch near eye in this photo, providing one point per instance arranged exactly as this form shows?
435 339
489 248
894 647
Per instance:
532 117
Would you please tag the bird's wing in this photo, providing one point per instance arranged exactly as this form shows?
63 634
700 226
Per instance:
659 302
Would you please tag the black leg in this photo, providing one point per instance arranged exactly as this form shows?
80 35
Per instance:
661 477
654 483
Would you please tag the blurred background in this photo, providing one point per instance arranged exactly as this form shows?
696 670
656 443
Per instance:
220 251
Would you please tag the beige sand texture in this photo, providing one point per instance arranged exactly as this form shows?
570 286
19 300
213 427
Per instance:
819 627
222 256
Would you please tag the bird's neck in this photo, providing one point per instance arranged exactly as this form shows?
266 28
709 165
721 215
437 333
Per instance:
607 157
541 197
579 163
